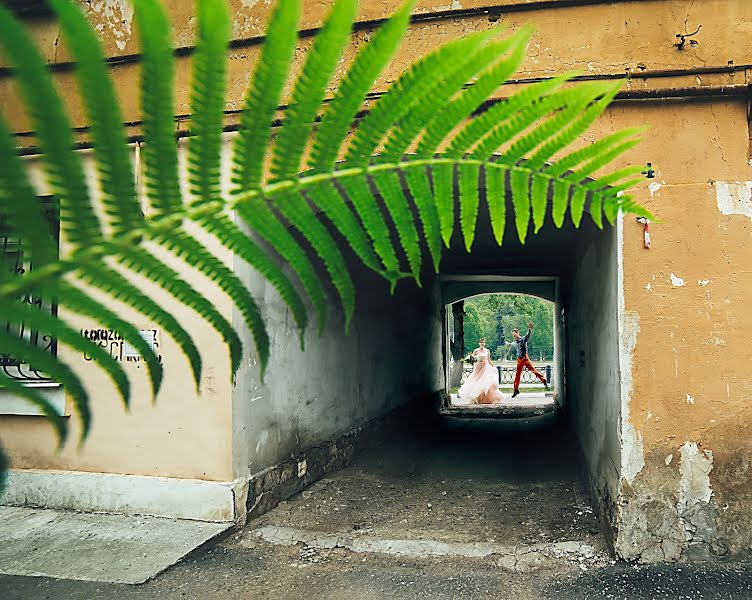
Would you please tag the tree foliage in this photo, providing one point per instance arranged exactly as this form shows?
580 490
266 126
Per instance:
493 316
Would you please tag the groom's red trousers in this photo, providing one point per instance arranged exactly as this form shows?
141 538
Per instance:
523 363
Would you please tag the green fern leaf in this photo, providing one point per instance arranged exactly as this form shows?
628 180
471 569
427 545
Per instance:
390 190
299 213
160 154
577 205
113 283
43 361
310 88
447 84
560 201
496 197
539 200
259 217
373 221
468 174
472 97
520 185
234 239
329 200
592 151
76 300
140 261
443 190
47 324
520 121
63 167
114 166
193 253
263 96
208 99
58 422
482 125
571 126
351 92
418 183
406 93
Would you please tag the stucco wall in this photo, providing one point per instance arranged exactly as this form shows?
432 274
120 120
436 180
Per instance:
688 299
592 354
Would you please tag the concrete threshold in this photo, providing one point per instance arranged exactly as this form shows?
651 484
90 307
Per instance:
518 558
96 547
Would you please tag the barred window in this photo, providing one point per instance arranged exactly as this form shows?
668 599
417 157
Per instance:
19 264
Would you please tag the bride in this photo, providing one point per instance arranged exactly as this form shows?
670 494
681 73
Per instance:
482 387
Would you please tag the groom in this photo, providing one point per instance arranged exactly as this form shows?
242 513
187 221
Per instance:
523 360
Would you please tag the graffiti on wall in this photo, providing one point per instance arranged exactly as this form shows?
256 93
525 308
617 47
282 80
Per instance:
119 349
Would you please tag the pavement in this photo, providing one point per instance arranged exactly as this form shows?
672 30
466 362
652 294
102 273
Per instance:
475 509
95 547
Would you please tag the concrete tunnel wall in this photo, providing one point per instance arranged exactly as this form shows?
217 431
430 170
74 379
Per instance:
340 381
590 300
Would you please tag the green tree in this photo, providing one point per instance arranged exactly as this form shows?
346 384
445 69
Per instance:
435 146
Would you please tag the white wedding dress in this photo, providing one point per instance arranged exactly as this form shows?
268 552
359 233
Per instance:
482 387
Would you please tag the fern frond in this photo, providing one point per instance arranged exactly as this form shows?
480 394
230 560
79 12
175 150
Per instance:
539 200
484 124
298 212
443 190
408 91
593 151
47 324
310 88
233 238
577 205
78 301
259 217
520 188
496 197
570 126
141 261
373 221
160 153
186 247
388 185
208 99
473 97
53 367
419 184
446 85
117 183
63 166
263 96
469 200
327 197
560 201
352 90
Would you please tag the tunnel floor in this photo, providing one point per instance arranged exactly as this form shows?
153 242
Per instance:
463 487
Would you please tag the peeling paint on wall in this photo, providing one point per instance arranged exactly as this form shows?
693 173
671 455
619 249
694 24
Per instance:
633 460
119 15
694 469
734 198
677 281
697 513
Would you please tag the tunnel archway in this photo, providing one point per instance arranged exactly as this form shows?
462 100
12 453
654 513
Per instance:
394 354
